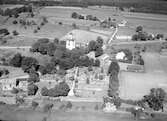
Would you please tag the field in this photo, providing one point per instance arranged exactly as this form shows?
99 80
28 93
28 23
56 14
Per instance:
136 85
152 23
13 114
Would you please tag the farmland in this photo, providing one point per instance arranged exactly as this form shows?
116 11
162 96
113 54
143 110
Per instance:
135 85
84 70
152 23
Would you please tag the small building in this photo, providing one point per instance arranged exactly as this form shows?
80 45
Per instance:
70 42
120 56
8 83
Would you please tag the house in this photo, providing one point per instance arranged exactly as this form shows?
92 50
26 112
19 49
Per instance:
8 83
120 56
122 24
70 42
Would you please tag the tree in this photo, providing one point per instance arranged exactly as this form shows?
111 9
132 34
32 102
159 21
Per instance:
48 107
155 99
16 61
34 77
56 41
50 68
160 36
28 63
61 89
96 107
34 105
135 37
113 84
113 67
15 22
15 91
97 63
100 41
98 52
4 32
51 49
69 105
15 33
42 69
44 91
32 89
74 15
92 46
139 29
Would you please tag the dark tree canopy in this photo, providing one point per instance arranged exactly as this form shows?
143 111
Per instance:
139 29
32 89
34 77
28 63
155 99
61 89
114 66
16 61
92 45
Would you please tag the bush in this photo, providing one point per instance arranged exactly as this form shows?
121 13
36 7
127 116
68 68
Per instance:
15 90
19 100
33 77
47 107
16 60
96 107
87 81
35 31
62 107
69 105
74 26
160 36
114 66
15 22
61 89
4 32
74 15
155 99
117 102
90 68
15 33
139 29
60 23
2 103
32 89
28 63
101 77
34 105
44 91
56 41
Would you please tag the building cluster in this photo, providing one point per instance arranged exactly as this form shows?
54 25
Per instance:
8 83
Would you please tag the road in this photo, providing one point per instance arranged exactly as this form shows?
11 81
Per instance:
15 47
164 19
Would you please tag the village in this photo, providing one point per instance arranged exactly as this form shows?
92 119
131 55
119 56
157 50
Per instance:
83 62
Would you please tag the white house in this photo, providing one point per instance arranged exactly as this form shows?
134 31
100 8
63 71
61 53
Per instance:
70 42
120 56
